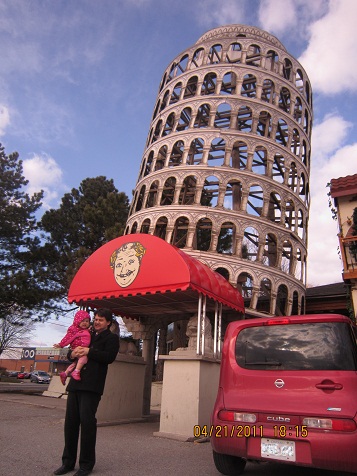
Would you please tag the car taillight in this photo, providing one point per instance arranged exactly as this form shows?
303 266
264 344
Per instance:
330 424
277 322
229 415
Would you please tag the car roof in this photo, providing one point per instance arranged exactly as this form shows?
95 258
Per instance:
302 319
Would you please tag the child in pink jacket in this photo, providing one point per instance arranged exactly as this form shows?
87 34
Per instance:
78 334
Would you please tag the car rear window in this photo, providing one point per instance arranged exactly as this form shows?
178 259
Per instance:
308 346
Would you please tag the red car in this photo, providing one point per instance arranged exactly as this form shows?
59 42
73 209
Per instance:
287 393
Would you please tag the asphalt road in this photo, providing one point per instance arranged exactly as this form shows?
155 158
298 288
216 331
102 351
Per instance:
31 442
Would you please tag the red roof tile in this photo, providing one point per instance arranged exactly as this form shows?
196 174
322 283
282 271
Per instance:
344 186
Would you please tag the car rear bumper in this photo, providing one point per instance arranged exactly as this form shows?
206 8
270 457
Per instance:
320 449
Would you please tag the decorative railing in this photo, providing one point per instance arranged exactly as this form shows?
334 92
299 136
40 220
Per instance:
348 247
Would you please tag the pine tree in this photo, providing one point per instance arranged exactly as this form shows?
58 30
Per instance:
21 264
88 217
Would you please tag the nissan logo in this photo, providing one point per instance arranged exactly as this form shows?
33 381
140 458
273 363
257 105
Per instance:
279 383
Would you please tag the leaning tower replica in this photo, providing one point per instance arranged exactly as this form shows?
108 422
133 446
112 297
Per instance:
225 170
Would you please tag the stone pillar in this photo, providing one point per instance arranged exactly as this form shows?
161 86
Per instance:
188 394
148 354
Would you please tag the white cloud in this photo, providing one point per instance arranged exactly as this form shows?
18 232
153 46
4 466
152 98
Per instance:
328 136
211 13
329 57
289 16
43 173
277 15
4 119
330 160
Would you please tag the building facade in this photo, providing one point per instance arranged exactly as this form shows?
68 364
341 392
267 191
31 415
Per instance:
225 170
343 191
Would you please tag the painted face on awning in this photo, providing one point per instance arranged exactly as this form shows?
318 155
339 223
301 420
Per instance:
125 262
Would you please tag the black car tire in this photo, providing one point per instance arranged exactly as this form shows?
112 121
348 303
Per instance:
229 465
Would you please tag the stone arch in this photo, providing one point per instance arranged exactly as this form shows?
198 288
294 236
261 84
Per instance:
295 306
209 84
245 119
226 238
255 200
165 100
217 152
195 152
298 267
250 244
299 82
168 192
282 133
169 125
157 130
234 53
210 191
298 110
203 235
287 257
161 227
274 208
202 116
278 168
229 83
176 93
284 100
249 86
233 196
264 126
264 296
191 87
223 116
295 142
268 91
188 191
253 57
184 120
300 224
290 215
139 203
156 110
272 61
149 163
161 158
293 177
270 254
260 160
281 300
134 227
245 286
215 54
182 65
176 155
287 69
197 59
180 231
145 226
223 272
151 200
239 155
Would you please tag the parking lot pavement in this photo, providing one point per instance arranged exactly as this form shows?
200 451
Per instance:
31 442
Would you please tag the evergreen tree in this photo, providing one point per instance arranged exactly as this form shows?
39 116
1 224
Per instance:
88 217
24 284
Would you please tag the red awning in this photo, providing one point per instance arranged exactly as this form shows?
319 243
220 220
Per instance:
142 275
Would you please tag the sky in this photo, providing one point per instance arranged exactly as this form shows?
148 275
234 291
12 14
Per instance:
79 80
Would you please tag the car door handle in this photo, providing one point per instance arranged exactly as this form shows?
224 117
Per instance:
329 386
